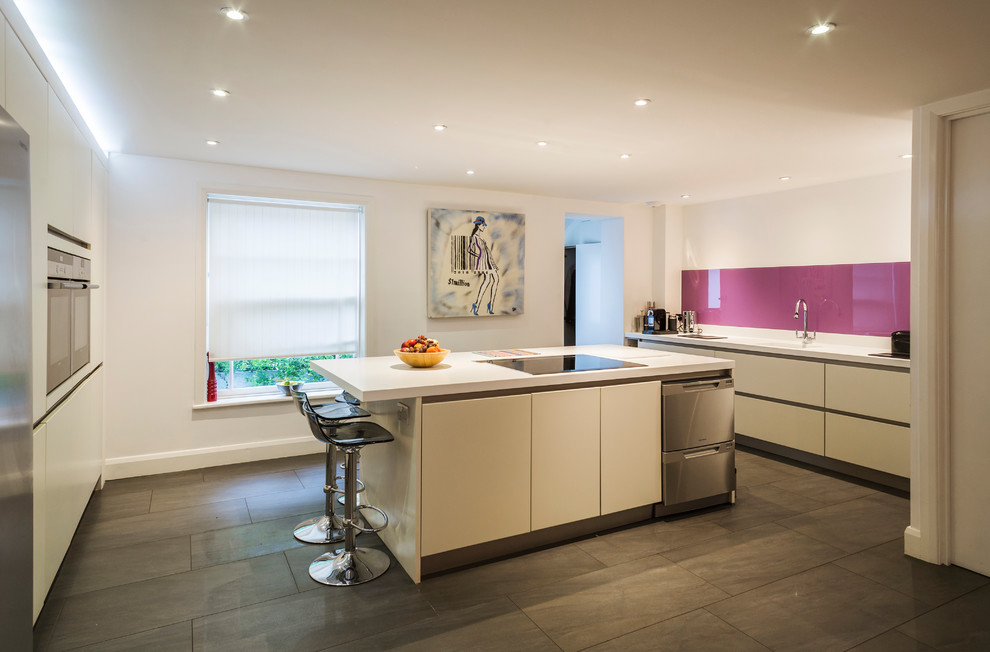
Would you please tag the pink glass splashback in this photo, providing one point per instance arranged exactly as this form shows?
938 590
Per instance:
859 299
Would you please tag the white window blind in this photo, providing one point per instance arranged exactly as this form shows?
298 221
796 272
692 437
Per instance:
283 277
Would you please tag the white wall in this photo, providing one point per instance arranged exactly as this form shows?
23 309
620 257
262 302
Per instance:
600 310
865 220
151 294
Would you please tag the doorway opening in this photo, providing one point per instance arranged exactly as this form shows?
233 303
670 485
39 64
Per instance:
593 279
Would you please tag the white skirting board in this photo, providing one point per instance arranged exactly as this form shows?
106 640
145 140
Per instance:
198 458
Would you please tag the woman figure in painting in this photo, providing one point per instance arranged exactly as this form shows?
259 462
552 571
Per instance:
484 266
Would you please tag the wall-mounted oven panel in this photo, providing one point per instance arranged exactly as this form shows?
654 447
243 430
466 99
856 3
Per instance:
59 336
69 290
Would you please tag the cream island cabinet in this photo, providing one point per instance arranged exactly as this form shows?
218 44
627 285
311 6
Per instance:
487 460
835 406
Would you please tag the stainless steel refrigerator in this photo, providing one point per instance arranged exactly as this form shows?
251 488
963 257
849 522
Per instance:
16 446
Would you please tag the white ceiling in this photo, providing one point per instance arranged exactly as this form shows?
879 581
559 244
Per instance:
741 93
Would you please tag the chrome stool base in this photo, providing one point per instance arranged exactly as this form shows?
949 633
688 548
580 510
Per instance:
348 567
319 530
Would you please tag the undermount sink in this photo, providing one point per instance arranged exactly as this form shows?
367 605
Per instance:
699 336
789 345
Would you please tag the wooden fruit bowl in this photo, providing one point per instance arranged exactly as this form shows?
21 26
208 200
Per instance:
422 359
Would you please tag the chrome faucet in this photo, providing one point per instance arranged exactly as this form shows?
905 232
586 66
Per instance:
806 336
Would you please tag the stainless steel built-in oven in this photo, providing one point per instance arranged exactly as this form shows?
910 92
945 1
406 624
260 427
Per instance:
69 286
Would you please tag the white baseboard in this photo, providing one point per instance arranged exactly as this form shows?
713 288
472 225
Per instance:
128 467
915 546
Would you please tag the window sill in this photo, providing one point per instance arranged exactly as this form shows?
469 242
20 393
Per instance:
262 399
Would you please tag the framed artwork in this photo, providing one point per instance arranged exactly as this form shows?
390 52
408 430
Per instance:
475 263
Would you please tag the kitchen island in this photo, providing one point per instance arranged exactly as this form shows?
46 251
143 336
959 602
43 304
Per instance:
489 460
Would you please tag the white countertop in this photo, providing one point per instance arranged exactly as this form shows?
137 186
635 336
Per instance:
817 350
386 377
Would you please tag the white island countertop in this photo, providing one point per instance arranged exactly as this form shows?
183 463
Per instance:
386 378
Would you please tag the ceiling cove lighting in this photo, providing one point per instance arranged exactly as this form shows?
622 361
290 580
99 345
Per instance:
439 127
233 14
642 102
213 143
821 28
219 92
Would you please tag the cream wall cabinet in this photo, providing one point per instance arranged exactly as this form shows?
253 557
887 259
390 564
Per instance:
799 381
61 150
41 584
566 456
630 446
72 464
779 423
476 471
871 392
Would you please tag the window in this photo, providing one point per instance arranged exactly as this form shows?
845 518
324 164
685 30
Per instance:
284 286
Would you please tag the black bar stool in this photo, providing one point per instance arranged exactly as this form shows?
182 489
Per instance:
352 565
328 527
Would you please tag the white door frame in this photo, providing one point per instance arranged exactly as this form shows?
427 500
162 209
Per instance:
927 537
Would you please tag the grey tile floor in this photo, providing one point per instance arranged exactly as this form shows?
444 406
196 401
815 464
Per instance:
205 560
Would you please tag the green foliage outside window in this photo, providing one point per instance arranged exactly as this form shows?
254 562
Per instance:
257 373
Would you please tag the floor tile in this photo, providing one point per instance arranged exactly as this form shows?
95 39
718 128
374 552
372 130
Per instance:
496 579
963 624
698 631
105 506
259 467
132 608
84 571
286 503
930 583
824 488
856 524
493 626
171 638
761 504
601 605
148 482
162 525
300 558
220 489
244 541
892 641
753 470
649 539
744 560
315 620
826 608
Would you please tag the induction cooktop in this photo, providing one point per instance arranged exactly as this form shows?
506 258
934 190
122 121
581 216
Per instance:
556 364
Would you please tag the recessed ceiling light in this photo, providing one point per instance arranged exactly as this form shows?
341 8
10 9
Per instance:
906 155
213 142
439 127
219 92
233 14
821 28
642 102
623 156
685 196
784 178
542 143
470 171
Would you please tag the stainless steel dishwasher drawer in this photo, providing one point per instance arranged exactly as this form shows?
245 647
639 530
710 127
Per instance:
697 413
699 473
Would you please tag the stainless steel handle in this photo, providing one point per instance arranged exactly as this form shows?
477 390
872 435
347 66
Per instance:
67 285
711 451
